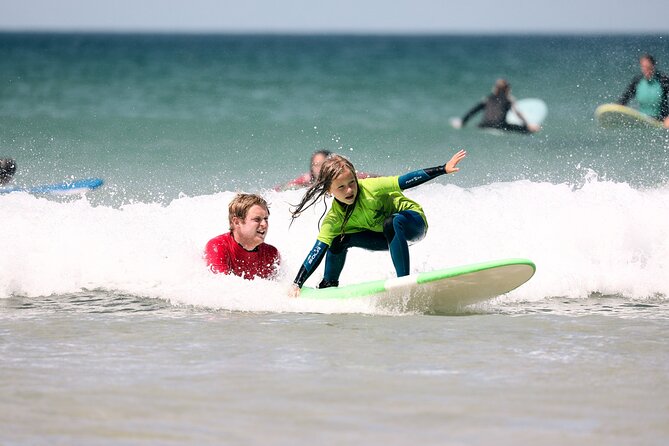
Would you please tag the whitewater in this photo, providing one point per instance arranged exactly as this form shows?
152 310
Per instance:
599 238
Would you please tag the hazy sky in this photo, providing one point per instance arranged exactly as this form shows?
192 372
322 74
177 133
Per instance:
375 16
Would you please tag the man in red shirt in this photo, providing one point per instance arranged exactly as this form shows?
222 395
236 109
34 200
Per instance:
242 251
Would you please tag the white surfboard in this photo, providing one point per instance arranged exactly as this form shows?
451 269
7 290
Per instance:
534 110
620 116
445 291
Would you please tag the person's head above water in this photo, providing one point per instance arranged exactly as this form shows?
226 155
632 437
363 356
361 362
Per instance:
501 87
647 65
317 159
240 205
248 215
334 170
7 170
339 179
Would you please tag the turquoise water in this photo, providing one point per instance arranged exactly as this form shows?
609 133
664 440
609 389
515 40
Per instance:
160 115
113 332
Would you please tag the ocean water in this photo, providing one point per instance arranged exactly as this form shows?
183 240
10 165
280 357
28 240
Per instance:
112 331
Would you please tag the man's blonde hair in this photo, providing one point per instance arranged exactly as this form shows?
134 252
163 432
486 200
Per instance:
240 205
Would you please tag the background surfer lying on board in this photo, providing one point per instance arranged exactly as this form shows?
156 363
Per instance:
495 108
650 89
370 213
309 178
243 251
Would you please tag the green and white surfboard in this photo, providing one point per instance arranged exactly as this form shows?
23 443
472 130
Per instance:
436 292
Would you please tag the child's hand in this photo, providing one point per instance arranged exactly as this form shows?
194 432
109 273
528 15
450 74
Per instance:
450 166
294 291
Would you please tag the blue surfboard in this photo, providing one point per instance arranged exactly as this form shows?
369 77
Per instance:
66 187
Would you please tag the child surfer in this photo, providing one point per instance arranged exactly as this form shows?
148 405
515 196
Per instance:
369 213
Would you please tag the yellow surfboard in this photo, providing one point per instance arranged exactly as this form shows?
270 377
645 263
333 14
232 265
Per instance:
620 116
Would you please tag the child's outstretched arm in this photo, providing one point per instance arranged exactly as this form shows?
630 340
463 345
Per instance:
413 179
310 264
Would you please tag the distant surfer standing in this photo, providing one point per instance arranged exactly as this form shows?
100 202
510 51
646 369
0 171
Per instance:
243 251
495 107
650 89
370 213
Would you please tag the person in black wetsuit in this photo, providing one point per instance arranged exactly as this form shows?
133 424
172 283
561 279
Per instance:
7 170
495 107
650 89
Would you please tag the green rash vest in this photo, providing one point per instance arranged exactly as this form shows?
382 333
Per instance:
377 199
649 96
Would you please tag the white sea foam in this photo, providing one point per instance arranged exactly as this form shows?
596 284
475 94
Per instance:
603 237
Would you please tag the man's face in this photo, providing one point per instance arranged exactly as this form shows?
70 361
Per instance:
251 231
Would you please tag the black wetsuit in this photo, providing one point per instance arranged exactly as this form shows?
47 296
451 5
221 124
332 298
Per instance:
495 108
664 83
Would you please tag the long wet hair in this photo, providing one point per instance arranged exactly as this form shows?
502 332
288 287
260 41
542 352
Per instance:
331 168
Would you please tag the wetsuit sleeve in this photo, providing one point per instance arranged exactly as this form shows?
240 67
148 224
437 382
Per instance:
311 263
418 177
629 92
474 110
664 105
